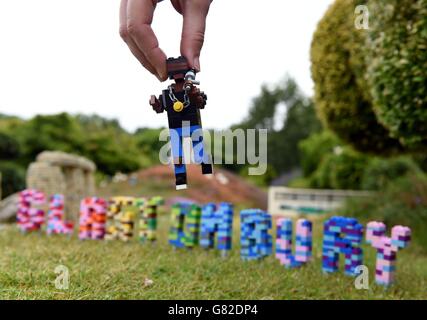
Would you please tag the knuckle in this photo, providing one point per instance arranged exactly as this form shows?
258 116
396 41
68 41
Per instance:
132 28
123 31
198 37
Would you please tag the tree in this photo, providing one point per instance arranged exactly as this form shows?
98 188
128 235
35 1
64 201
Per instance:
397 55
53 132
342 97
284 134
9 147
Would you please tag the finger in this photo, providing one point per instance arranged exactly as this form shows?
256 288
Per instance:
139 19
130 43
193 30
177 5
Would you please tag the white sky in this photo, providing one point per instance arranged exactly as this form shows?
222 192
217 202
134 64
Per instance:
66 55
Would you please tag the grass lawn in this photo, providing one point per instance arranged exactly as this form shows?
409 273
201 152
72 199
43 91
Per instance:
116 270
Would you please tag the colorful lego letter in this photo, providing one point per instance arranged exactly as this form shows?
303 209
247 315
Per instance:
185 227
147 218
303 249
28 218
342 236
256 242
93 215
120 219
387 249
55 217
217 222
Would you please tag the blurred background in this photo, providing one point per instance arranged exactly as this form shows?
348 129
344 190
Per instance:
345 108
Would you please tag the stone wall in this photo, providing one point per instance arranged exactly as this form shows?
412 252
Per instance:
58 172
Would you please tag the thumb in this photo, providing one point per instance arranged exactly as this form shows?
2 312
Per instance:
193 30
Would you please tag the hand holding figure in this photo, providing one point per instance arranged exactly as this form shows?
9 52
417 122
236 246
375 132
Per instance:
136 17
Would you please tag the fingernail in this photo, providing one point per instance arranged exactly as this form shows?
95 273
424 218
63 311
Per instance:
196 63
162 75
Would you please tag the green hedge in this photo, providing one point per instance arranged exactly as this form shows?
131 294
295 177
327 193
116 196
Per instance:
403 202
397 51
327 163
343 170
341 95
314 148
380 172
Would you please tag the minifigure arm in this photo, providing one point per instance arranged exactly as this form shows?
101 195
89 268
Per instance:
197 97
157 104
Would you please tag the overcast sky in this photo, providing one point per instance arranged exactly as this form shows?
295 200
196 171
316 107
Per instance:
66 55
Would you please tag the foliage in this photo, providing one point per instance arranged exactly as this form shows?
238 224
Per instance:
9 147
341 95
380 172
403 202
285 133
314 148
109 145
102 140
12 178
397 51
147 141
327 163
342 169
53 132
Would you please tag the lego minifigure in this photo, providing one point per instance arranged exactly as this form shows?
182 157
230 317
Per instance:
182 102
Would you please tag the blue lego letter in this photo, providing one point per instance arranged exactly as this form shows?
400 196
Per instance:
256 242
219 222
342 235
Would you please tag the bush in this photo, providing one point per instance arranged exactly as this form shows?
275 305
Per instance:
397 53
403 202
340 170
380 172
327 163
13 178
341 96
9 147
314 148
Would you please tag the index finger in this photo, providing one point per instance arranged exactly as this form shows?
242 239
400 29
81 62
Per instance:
193 30
139 18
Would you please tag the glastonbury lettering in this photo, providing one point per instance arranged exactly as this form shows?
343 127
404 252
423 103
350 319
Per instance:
211 227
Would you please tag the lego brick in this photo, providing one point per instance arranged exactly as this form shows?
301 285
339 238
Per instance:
120 219
93 216
387 248
185 225
342 236
217 223
30 219
55 217
255 241
147 225
303 239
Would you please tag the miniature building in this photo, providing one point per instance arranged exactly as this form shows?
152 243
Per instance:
57 172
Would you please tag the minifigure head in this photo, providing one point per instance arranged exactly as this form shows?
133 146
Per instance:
177 68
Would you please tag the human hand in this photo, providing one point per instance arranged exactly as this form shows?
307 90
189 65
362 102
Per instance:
136 17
